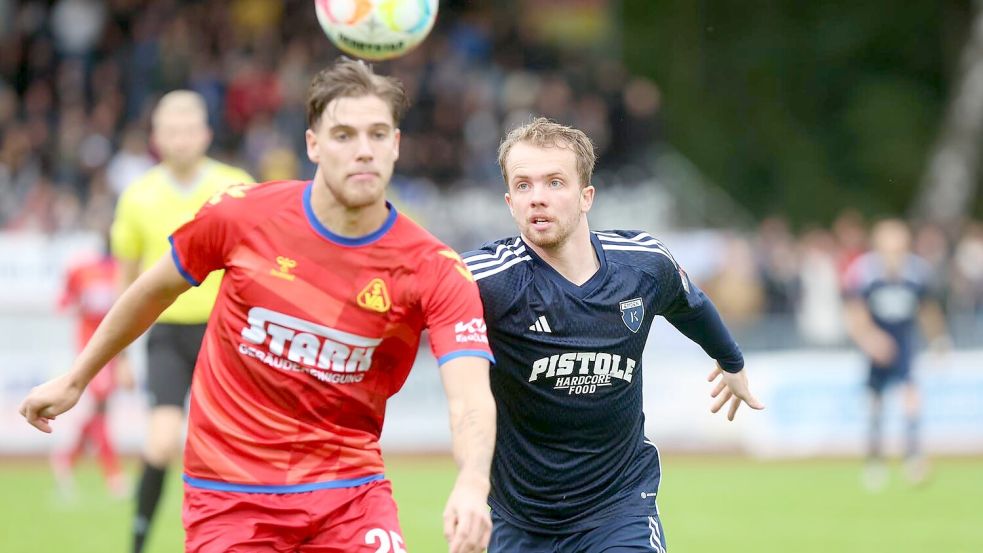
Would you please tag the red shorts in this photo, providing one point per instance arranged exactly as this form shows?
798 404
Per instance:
358 519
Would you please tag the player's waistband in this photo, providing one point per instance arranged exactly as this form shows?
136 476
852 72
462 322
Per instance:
288 488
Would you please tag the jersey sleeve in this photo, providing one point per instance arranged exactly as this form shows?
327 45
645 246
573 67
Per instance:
452 309
677 293
124 235
200 246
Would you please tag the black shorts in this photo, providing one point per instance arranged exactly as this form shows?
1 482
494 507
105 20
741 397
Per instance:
880 379
172 350
625 534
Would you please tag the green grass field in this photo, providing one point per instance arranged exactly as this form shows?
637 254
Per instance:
708 504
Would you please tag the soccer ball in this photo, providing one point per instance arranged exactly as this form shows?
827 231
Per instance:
376 29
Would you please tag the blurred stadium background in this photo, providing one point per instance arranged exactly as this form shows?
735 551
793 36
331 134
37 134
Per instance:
758 140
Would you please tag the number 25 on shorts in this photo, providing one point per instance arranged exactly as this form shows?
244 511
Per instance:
388 541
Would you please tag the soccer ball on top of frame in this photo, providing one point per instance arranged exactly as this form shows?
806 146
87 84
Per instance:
376 29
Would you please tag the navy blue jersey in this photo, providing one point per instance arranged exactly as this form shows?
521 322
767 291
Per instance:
893 301
570 449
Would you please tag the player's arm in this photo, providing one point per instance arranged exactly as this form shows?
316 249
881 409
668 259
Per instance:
688 309
130 316
860 326
458 338
126 246
467 525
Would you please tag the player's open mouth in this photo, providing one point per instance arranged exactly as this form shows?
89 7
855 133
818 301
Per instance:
539 223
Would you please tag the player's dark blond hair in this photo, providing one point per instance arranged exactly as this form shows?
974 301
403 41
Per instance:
348 78
543 133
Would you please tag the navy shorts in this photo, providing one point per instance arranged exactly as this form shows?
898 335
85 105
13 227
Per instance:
172 350
630 534
880 378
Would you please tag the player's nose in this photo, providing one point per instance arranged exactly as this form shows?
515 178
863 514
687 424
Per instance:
364 150
538 195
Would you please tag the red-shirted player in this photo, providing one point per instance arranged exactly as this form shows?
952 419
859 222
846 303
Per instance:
90 290
326 291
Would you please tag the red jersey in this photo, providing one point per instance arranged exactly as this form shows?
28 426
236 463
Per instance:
91 287
311 334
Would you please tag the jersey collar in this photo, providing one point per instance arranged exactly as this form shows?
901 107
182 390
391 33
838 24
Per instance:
584 289
344 240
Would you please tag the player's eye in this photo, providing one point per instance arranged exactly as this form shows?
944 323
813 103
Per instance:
380 135
341 136
522 186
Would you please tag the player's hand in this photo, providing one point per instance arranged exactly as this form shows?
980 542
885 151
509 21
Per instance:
467 521
124 373
732 387
47 401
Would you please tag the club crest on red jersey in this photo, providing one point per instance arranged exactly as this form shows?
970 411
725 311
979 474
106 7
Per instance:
375 296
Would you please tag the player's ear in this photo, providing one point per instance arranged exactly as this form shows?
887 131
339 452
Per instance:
396 136
508 202
311 139
586 198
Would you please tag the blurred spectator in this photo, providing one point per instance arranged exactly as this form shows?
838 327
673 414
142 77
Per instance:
777 265
736 289
967 282
131 161
819 317
851 238
77 25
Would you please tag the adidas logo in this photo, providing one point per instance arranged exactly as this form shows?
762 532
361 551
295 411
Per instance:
541 325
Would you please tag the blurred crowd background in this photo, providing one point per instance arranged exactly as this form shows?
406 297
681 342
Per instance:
78 79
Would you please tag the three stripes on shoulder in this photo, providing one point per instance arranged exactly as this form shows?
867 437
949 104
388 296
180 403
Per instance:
506 256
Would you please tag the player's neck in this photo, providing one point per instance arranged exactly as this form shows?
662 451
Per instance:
347 221
184 175
575 259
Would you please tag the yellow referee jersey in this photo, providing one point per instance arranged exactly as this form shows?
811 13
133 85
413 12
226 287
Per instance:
153 207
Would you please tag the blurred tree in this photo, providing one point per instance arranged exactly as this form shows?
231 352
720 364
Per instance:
951 181
801 107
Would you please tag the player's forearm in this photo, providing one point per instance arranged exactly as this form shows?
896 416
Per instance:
704 326
473 433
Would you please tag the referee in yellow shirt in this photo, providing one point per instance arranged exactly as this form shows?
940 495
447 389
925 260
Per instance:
149 210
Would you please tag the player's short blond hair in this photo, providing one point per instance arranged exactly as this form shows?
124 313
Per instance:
348 78
180 101
543 133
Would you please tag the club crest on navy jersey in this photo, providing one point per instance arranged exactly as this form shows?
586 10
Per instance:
633 313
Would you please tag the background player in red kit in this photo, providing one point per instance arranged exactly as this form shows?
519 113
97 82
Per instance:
90 290
326 291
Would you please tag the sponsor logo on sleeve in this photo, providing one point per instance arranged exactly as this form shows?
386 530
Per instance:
473 331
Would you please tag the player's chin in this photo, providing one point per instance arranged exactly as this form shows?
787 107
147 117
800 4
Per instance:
364 196
542 239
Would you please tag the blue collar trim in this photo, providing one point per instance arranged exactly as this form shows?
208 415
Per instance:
344 240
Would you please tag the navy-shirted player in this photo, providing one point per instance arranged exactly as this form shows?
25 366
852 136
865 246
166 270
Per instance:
568 313
888 293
